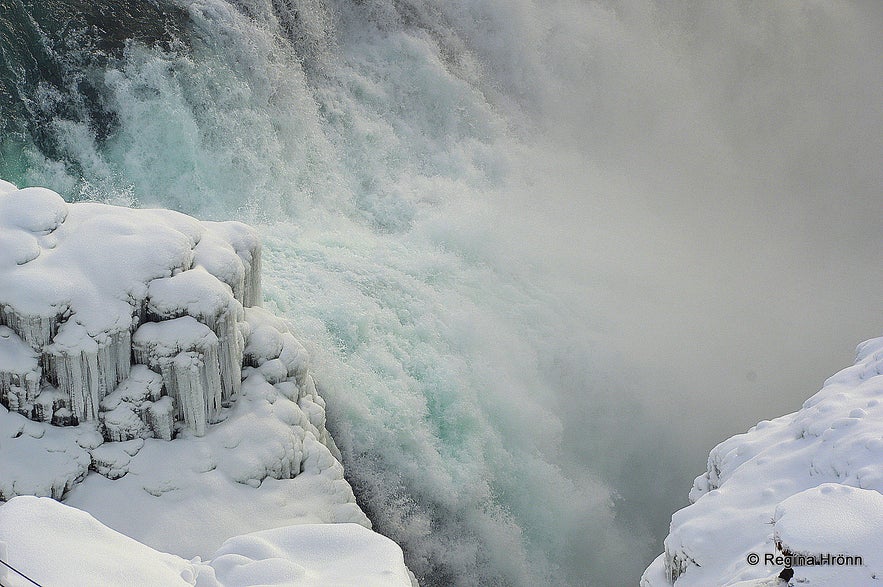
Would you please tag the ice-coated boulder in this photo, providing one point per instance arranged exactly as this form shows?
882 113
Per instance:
124 413
203 296
41 459
807 485
19 371
231 251
185 352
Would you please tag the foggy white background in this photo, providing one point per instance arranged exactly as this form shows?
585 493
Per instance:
720 162
713 182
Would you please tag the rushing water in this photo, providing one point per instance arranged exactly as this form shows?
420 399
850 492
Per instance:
545 255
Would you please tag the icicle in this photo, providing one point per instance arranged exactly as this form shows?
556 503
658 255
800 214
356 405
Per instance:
85 368
199 294
185 353
190 391
36 330
251 296
19 372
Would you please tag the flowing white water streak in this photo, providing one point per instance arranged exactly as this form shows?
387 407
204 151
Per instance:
537 249
440 379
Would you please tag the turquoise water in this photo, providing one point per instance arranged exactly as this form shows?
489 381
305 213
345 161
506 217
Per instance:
544 256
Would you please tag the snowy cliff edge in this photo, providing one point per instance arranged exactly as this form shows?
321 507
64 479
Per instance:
795 500
141 382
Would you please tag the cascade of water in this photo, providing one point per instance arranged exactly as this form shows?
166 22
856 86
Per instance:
522 239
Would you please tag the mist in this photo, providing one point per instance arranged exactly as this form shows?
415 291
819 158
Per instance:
735 152
544 256
703 188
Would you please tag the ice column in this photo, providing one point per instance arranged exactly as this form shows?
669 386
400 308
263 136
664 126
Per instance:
199 294
86 367
19 372
185 353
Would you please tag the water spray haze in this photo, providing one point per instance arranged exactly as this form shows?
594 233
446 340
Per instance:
546 255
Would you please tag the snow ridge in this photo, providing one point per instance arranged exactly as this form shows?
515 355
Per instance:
305 555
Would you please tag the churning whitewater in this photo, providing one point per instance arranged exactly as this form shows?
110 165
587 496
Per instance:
361 142
504 230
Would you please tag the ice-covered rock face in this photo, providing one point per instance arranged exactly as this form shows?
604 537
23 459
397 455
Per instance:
141 382
129 325
77 281
807 485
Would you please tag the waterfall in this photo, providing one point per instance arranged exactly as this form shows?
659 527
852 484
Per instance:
545 254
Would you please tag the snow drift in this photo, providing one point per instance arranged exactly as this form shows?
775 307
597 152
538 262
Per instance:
802 491
141 382
45 541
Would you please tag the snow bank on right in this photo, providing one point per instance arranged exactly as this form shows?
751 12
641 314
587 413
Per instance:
799 493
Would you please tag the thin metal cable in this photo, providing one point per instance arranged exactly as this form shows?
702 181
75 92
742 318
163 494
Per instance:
14 570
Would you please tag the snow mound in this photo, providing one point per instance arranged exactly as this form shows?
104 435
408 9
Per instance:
806 486
311 554
54 544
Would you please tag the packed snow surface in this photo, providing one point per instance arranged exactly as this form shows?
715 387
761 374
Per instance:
803 490
54 544
140 382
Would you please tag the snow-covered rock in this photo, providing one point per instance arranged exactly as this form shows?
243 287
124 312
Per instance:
58 545
19 372
186 353
141 382
124 412
201 295
801 491
78 281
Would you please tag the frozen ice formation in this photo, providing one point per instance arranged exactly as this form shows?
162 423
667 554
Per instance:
19 373
140 380
802 490
45 541
93 289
